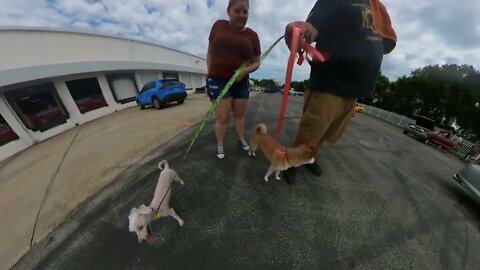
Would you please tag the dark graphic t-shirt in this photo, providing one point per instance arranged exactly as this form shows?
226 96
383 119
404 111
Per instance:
354 49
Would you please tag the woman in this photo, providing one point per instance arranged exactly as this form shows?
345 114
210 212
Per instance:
231 44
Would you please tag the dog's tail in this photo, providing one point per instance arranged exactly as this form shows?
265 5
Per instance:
261 128
163 165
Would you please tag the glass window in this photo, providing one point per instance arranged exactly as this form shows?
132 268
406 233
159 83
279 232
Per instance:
149 86
39 106
87 94
6 132
170 75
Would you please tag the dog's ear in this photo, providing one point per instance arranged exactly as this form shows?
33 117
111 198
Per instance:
144 210
133 212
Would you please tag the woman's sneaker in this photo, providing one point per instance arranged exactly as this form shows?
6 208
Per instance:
243 144
220 153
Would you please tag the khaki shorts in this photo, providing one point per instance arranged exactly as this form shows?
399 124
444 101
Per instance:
325 117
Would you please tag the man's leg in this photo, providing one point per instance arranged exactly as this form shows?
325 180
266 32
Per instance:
324 118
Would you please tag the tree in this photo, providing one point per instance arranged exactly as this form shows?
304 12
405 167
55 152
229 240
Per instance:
447 94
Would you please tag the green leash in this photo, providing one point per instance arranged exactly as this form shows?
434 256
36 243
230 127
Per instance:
222 94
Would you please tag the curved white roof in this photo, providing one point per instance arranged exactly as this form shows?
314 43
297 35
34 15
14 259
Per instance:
32 53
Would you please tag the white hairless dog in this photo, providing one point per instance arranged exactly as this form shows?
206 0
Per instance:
140 218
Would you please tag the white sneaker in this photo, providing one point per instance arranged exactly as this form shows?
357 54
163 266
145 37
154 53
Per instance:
220 153
244 145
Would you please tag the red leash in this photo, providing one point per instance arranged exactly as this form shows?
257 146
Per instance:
310 51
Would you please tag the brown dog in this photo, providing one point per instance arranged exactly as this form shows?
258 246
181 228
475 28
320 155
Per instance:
280 157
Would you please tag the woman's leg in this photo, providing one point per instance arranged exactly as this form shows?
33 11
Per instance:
222 115
238 111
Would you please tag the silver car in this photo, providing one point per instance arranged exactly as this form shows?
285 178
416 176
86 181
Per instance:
469 178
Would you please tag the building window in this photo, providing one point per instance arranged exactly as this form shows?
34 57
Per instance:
170 75
6 132
87 94
124 87
39 107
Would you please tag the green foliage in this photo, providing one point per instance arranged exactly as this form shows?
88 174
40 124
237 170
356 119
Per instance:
267 83
448 94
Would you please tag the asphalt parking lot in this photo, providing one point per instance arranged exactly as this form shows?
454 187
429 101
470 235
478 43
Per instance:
385 201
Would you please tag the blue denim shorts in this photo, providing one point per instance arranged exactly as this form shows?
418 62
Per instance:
237 90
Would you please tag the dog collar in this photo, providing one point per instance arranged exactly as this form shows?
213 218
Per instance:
158 214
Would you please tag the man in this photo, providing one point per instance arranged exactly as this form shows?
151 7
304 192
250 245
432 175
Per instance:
353 35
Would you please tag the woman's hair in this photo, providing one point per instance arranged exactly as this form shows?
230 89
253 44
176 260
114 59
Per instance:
233 2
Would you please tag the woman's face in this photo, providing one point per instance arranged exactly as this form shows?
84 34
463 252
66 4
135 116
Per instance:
238 14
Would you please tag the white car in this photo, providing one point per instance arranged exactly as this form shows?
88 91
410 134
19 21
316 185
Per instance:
295 93
469 178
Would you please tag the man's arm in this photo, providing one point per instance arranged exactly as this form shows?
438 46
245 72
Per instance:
309 29
383 25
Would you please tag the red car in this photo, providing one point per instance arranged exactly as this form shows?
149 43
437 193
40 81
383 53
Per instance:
439 138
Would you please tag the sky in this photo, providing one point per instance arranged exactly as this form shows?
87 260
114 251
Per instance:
429 32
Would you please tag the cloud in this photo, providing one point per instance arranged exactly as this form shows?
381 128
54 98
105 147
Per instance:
428 32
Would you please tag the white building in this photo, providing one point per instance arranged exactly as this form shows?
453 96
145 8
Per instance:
52 80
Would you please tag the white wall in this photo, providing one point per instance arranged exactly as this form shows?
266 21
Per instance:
32 47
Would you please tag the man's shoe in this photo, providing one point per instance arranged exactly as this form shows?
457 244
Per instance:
314 168
290 175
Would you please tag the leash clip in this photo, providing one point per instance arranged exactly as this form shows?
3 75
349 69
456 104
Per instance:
311 54
280 154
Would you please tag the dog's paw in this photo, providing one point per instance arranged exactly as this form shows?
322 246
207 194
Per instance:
278 177
180 222
266 179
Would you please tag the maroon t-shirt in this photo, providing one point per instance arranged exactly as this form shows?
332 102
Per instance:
230 49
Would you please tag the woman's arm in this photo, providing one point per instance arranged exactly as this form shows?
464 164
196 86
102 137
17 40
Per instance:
252 66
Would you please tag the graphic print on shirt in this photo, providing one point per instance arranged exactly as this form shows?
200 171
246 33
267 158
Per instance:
367 22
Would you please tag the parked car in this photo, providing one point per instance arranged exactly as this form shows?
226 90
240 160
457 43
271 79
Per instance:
160 92
422 127
439 138
271 90
417 132
359 108
201 89
469 178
